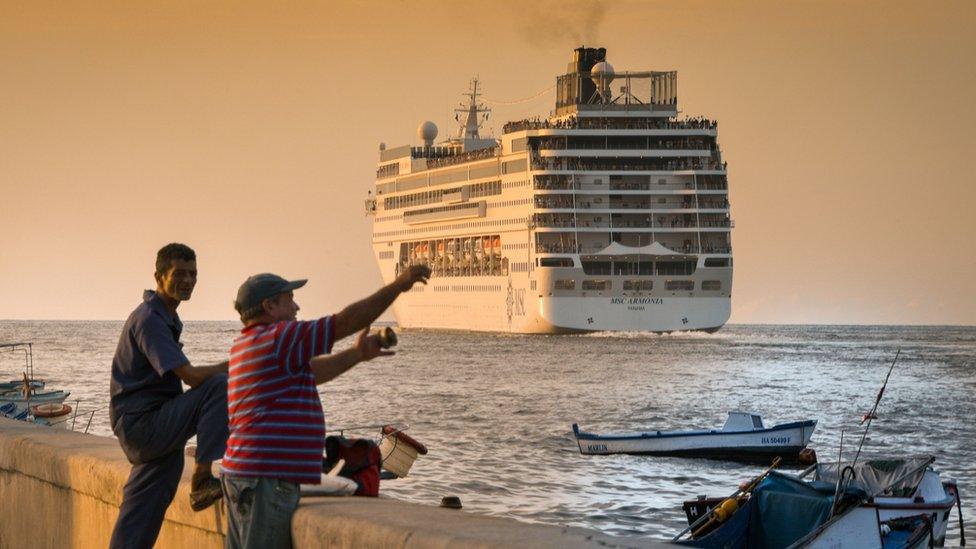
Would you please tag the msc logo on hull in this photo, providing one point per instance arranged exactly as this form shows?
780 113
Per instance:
636 301
514 302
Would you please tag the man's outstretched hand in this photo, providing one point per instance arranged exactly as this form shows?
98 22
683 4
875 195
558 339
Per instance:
369 346
412 275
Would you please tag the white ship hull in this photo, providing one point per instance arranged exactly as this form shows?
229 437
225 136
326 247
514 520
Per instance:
486 304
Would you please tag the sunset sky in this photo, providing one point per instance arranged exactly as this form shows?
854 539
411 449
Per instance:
250 131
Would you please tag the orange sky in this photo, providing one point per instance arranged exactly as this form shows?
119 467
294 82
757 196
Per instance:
249 131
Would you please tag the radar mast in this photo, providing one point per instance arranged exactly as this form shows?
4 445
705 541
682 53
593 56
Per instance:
468 128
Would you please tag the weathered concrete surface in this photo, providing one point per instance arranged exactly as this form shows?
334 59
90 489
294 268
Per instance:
63 489
372 522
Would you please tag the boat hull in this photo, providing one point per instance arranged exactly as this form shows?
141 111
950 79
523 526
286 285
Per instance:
786 441
499 304
52 397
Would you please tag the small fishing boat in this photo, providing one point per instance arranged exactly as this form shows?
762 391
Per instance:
899 488
25 399
35 385
744 437
48 397
27 379
892 502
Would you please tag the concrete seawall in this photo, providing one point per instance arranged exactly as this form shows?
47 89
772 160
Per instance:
63 489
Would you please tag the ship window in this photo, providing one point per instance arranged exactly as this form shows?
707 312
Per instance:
556 262
711 285
632 285
598 182
647 285
564 285
662 181
676 268
518 145
596 284
662 200
717 262
596 267
680 285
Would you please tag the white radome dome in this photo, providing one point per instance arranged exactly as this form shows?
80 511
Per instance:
427 132
602 72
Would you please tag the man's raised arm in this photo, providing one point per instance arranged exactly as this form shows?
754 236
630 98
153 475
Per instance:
362 313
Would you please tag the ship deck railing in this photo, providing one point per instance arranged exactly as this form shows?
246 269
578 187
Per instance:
632 225
586 205
592 164
576 123
544 248
567 183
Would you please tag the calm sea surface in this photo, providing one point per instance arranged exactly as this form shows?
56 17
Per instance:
496 410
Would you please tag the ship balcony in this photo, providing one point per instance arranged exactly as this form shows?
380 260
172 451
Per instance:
605 205
595 243
621 164
590 126
590 191
627 222
710 184
626 153
570 248
619 143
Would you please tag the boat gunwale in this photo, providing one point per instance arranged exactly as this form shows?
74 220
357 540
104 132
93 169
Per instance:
581 435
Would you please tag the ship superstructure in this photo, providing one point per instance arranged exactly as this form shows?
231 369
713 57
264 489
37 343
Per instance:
609 214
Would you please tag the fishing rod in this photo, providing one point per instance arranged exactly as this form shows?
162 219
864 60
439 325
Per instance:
869 417
872 415
727 507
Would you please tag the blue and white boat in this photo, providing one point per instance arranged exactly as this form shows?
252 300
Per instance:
743 437
889 502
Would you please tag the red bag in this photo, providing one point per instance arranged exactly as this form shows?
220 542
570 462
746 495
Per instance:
362 465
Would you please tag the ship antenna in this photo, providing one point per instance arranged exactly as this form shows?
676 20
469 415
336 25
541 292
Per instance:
474 113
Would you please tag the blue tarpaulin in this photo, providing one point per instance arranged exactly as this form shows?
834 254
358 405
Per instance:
781 510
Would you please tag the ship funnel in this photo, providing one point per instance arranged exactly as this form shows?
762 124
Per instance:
427 132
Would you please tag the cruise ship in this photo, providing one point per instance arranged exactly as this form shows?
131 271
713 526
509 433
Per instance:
609 214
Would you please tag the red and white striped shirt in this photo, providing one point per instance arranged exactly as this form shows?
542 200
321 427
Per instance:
277 428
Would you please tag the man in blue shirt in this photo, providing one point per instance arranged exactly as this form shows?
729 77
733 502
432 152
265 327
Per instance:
151 414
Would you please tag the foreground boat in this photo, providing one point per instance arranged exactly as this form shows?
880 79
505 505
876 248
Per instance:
900 502
744 437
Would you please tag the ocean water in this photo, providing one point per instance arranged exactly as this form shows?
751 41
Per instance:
496 410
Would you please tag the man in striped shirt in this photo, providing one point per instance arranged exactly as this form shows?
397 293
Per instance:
277 427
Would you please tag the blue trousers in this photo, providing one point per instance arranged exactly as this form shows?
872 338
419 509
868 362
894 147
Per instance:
259 512
154 443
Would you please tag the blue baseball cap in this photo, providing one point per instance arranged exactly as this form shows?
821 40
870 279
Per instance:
262 286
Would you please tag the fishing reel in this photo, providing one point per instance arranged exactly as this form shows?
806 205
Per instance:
387 337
